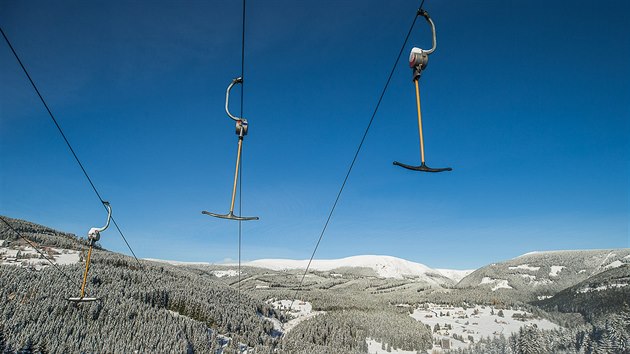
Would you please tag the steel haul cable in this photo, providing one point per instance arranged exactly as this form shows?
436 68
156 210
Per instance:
240 186
356 155
140 265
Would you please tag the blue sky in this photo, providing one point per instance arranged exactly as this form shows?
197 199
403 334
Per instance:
526 100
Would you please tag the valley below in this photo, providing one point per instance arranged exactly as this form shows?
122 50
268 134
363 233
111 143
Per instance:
574 301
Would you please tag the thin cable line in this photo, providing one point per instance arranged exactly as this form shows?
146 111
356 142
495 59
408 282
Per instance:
63 135
51 115
240 184
141 266
354 159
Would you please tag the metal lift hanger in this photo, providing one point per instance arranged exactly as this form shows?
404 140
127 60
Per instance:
241 131
418 60
93 235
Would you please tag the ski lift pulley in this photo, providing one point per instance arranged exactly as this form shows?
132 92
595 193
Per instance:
93 235
241 131
418 61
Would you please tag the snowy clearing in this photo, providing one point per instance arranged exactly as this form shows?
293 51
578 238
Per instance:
300 311
477 322
615 264
225 273
376 347
601 288
555 270
454 274
27 256
500 283
525 267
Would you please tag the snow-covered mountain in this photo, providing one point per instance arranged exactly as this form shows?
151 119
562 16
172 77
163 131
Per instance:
384 266
542 274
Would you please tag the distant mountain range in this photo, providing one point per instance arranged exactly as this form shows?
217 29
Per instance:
383 266
539 275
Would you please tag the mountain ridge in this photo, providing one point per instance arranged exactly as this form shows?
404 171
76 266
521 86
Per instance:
384 266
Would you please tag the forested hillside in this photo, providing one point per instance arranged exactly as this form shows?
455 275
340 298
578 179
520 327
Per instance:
158 307
148 308
538 275
597 297
39 234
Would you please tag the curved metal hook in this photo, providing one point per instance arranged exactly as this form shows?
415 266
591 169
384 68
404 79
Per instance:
425 14
238 80
94 233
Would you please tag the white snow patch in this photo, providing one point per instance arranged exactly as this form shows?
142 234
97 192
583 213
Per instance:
176 262
225 273
375 347
615 264
525 267
542 297
336 275
455 274
601 288
487 280
300 311
542 282
478 322
27 256
555 270
582 271
499 283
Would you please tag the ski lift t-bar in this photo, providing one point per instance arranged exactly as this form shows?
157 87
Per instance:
418 61
93 235
241 131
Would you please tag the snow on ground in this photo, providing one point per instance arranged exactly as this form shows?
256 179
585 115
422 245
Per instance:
500 283
376 347
615 264
176 262
225 273
221 340
455 274
300 311
601 287
66 256
27 256
478 322
555 270
525 267
384 266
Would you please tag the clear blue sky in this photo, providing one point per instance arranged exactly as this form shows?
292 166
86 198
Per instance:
528 101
